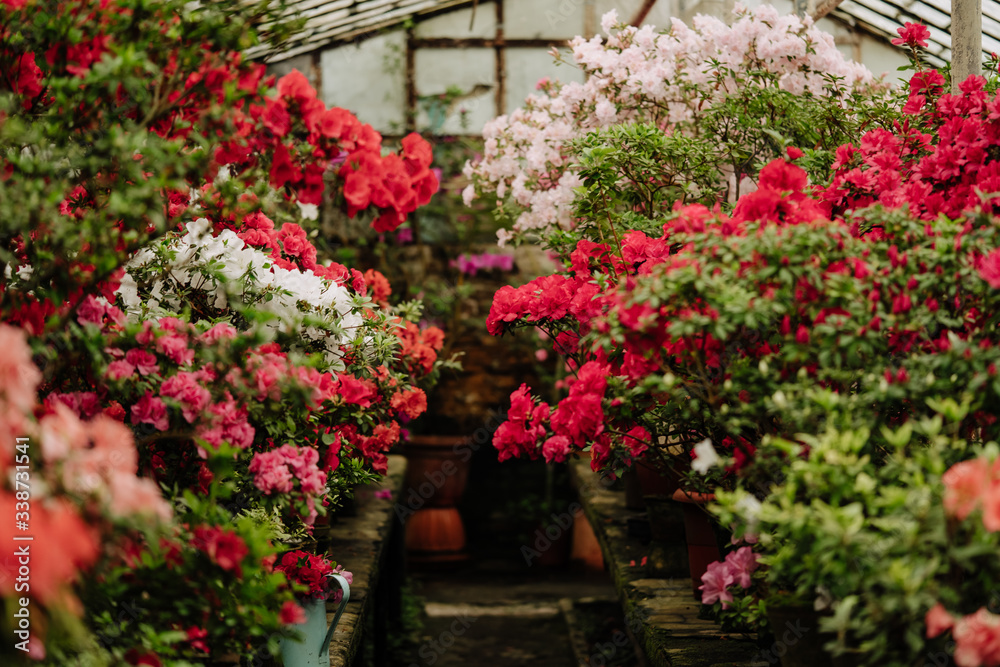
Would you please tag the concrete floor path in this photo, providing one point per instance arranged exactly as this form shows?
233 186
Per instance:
495 614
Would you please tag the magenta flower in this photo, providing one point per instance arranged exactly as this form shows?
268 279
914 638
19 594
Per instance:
912 34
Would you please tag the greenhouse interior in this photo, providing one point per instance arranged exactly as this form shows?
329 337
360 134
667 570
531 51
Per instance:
561 333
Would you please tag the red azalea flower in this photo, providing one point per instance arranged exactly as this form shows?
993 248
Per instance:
912 34
224 547
292 614
989 268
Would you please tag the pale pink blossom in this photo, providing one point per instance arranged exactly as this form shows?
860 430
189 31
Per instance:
641 75
977 639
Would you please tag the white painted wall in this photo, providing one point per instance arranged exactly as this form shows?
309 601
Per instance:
368 78
456 24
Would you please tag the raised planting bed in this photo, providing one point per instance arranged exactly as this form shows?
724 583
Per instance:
654 587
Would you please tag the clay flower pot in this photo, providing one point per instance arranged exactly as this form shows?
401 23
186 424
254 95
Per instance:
436 476
699 531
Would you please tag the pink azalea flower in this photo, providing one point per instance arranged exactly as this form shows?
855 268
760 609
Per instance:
143 360
292 614
120 369
184 389
556 448
742 564
715 581
977 639
912 34
965 484
991 504
151 410
938 620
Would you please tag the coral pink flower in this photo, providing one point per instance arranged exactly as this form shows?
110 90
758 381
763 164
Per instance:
412 403
991 502
965 484
131 495
938 620
18 375
977 639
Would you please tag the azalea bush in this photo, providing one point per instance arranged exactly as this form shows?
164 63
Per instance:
879 545
721 99
194 359
721 327
695 325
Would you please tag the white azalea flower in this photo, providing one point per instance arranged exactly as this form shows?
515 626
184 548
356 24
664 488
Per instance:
706 457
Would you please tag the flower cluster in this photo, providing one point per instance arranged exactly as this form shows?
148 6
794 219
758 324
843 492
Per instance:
941 159
721 326
289 468
470 265
86 479
218 270
303 136
181 324
976 635
669 80
311 572
737 568
973 485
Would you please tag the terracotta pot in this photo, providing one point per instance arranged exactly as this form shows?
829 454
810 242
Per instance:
435 535
586 549
436 476
699 531
437 468
656 479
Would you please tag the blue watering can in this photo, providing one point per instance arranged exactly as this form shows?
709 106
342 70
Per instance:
314 648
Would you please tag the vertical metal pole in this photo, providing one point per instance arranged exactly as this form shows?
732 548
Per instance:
966 40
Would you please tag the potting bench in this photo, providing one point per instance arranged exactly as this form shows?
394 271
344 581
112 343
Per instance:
654 587
370 545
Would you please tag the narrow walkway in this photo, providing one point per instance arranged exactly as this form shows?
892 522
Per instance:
492 614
